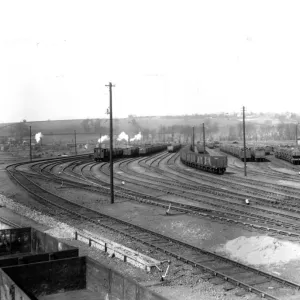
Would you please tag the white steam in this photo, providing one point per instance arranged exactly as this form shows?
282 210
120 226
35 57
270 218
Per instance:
103 138
86 146
137 137
38 136
123 136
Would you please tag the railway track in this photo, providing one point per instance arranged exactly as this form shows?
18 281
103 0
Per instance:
239 274
251 220
252 186
8 222
230 215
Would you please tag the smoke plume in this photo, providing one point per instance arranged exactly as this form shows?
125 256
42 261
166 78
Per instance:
103 138
38 137
123 136
86 146
137 137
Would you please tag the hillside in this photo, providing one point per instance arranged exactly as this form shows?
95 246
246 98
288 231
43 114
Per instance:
218 126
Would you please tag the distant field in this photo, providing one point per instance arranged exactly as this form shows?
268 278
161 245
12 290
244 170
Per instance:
63 130
68 126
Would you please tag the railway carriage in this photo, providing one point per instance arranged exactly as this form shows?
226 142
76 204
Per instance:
216 163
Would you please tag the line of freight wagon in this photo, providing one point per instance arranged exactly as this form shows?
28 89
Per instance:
203 161
291 155
103 154
252 153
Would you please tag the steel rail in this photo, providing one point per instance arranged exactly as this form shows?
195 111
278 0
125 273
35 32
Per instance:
162 244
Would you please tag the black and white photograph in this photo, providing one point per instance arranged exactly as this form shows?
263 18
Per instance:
149 150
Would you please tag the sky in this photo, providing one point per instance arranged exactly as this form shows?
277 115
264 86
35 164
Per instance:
165 57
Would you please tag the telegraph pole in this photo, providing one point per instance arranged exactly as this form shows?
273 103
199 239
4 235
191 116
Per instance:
100 132
30 155
244 134
297 135
111 145
75 143
203 138
193 138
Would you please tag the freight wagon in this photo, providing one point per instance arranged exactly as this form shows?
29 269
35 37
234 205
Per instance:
216 163
131 152
237 151
289 154
103 154
198 148
258 153
268 150
149 149
174 148
211 145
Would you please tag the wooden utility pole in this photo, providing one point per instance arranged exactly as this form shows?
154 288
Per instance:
193 139
297 135
244 134
111 145
75 143
30 154
100 133
203 138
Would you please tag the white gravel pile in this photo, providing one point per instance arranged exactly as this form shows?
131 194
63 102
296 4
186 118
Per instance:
192 230
262 250
58 229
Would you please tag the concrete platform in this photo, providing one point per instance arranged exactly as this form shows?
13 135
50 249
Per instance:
125 254
21 220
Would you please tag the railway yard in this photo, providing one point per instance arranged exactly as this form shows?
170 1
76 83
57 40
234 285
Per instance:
211 245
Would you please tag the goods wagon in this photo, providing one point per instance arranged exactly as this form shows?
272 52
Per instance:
149 149
258 153
216 163
103 154
199 148
174 147
268 150
237 151
210 145
131 151
289 154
